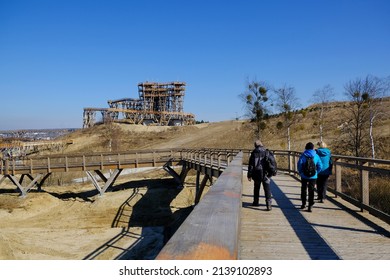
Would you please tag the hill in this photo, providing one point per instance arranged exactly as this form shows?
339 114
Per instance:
226 134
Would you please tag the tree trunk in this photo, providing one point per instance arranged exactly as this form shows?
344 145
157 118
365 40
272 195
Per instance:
288 139
321 122
372 136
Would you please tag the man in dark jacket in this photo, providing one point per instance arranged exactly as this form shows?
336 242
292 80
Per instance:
258 171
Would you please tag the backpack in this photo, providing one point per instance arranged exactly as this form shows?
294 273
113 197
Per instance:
309 167
270 164
258 163
257 171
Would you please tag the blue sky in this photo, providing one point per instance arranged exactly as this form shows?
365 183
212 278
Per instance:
60 56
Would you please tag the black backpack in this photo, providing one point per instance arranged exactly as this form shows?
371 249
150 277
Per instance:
309 167
259 162
270 164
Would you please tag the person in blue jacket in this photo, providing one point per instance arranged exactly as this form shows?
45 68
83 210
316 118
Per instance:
326 160
308 181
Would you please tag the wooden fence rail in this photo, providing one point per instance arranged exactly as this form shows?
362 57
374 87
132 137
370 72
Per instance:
212 229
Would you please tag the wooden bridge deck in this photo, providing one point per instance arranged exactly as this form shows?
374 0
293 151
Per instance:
334 230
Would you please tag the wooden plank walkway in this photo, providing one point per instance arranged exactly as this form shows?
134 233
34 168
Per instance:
334 230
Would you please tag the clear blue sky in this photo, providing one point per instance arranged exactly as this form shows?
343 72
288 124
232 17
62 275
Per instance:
60 56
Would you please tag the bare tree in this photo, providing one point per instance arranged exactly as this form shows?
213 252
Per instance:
287 103
110 134
365 95
376 90
323 97
254 99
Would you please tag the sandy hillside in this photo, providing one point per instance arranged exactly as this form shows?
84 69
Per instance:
73 222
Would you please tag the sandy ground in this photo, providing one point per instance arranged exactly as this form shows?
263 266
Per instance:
130 221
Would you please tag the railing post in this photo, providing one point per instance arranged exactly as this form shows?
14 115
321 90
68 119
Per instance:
6 165
84 164
338 176
66 164
294 164
364 186
48 165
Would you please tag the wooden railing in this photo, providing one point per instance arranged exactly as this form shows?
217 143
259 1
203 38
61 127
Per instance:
38 169
91 161
212 229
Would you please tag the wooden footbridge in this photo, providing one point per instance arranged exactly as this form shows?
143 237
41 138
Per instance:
224 224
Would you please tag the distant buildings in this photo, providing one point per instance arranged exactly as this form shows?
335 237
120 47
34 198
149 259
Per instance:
158 104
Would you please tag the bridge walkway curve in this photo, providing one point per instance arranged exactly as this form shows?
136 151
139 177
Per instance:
334 230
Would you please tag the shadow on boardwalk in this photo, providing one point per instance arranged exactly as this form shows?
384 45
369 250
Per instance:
315 246
335 229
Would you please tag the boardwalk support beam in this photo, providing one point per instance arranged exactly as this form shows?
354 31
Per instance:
178 178
108 182
34 181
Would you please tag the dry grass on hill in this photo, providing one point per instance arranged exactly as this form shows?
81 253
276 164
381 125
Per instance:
225 134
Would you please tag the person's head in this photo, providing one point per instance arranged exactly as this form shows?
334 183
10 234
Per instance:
258 144
309 146
322 144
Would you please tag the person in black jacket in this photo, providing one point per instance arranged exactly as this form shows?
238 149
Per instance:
259 171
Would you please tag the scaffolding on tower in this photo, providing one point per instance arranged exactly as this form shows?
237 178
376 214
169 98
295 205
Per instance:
158 104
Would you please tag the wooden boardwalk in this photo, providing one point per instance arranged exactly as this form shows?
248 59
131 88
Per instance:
334 230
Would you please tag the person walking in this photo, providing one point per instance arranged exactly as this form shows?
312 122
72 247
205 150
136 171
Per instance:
326 159
309 165
261 167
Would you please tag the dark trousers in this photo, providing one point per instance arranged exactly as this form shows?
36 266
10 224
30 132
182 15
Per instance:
267 189
307 186
322 184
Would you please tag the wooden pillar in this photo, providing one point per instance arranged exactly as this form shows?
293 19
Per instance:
199 192
197 185
337 176
289 161
364 186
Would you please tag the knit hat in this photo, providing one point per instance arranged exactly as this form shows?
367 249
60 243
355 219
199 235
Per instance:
309 146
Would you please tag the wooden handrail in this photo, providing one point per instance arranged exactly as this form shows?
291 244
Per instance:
212 229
